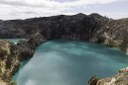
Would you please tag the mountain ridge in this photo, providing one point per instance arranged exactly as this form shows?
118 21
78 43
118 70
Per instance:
93 27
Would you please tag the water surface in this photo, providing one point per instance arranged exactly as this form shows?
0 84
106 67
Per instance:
13 40
70 63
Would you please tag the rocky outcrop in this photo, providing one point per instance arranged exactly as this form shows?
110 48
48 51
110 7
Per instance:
27 47
120 79
78 26
9 61
11 56
93 80
93 27
112 33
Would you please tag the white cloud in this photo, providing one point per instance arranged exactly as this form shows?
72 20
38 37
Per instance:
49 3
12 9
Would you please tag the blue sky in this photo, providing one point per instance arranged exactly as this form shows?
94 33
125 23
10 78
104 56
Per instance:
22 9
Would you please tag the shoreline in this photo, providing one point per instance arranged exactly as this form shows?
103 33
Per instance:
22 42
94 28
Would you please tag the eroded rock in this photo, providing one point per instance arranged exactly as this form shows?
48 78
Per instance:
119 79
27 47
9 62
93 27
11 56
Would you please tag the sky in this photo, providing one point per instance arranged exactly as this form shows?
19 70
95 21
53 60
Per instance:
22 9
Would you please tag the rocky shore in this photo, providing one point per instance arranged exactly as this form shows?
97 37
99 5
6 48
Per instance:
93 27
121 78
12 55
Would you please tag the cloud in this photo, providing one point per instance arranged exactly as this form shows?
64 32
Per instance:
12 9
51 3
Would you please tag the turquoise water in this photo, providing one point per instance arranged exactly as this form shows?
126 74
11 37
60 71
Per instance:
70 63
13 40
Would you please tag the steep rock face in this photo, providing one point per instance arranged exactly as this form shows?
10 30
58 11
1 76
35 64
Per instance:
78 26
27 47
115 33
35 40
9 61
120 79
11 56
111 32
93 27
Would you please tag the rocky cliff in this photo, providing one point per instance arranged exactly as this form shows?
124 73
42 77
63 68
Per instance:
93 27
9 61
78 26
119 79
11 56
112 33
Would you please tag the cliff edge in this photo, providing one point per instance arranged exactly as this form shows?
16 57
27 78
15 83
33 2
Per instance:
121 78
93 27
12 55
